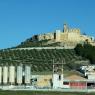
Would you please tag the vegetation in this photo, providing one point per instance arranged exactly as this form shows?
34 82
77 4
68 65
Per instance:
43 43
41 60
41 93
87 51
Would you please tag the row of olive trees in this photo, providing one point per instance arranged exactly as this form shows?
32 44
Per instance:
87 51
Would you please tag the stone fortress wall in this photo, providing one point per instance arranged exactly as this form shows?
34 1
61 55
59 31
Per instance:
67 36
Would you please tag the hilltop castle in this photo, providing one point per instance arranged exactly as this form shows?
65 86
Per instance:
67 37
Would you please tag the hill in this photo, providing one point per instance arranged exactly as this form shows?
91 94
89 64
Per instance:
43 43
42 59
42 50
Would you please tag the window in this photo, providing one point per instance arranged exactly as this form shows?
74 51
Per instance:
59 77
54 35
66 83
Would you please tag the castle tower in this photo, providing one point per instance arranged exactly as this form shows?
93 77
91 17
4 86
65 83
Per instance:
65 28
58 75
57 35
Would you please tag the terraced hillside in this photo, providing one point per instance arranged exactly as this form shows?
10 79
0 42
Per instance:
41 60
